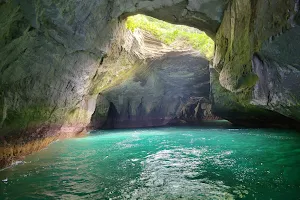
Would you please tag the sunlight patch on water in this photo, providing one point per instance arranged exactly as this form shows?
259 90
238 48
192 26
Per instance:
173 174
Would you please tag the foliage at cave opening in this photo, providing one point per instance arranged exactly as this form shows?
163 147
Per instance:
173 35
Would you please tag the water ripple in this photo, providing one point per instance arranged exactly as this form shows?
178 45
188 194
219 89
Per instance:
166 163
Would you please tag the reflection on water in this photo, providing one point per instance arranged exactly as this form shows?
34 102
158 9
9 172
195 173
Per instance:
164 163
180 174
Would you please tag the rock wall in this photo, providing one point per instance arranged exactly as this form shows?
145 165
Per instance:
255 73
165 86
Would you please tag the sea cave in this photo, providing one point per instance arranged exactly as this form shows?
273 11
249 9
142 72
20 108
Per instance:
176 99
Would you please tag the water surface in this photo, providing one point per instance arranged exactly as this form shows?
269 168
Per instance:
162 163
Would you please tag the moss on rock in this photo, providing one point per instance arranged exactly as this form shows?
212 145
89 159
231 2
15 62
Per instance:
247 25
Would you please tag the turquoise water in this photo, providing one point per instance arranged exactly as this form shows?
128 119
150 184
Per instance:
162 163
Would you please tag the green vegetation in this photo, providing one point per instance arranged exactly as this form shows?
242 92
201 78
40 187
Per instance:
173 35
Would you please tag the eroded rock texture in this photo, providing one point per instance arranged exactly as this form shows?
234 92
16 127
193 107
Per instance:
164 86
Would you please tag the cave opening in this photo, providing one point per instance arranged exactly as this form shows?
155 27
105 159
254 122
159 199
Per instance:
177 37
62 61
59 56
169 79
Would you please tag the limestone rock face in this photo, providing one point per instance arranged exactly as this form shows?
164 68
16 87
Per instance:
158 90
255 73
